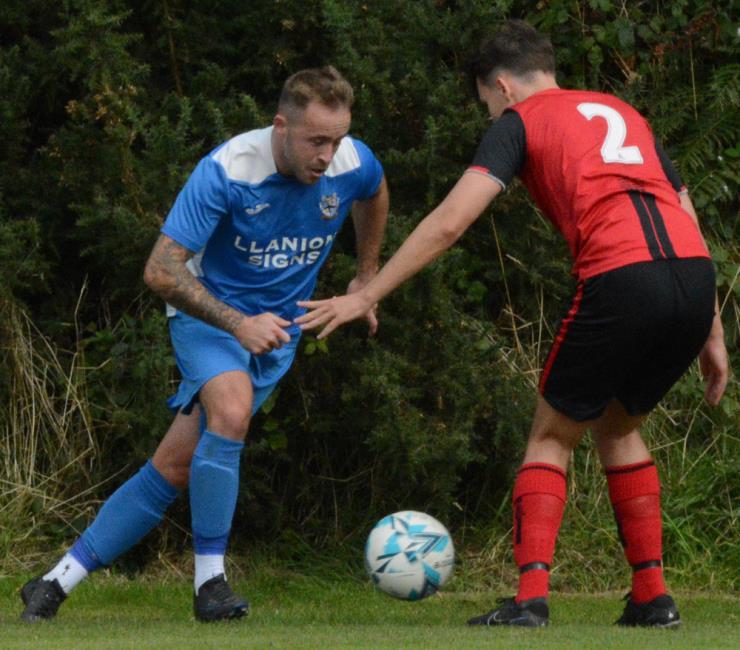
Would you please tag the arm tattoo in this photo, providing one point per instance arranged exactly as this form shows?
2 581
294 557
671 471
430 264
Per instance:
174 282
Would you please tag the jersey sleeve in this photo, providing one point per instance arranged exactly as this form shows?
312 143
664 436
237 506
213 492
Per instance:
371 171
199 206
503 150
670 171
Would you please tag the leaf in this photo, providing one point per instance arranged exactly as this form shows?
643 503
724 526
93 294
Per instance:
277 440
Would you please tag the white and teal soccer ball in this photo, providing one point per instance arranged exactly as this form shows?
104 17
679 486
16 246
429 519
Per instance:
409 555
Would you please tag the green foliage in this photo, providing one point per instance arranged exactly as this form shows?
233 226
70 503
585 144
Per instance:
126 364
105 108
20 262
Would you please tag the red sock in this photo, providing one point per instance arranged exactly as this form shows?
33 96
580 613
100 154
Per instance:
634 491
539 500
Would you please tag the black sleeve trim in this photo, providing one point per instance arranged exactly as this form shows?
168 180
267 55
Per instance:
503 149
670 171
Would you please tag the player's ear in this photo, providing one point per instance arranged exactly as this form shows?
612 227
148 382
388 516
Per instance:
503 85
280 122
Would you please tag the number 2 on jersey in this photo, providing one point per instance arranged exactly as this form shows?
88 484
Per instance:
612 150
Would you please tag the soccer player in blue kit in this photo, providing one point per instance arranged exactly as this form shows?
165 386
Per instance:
242 244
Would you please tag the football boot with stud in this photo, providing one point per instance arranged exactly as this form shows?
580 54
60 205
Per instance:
529 613
215 601
42 599
659 612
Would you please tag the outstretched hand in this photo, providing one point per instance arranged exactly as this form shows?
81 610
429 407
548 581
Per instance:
333 312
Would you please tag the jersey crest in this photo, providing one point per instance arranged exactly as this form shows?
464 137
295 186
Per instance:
329 206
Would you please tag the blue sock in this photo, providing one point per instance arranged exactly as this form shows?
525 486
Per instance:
129 513
214 486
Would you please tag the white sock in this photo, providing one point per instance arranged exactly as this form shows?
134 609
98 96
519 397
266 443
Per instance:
68 573
207 567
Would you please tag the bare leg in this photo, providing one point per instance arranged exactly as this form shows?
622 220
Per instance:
617 438
227 399
553 436
175 451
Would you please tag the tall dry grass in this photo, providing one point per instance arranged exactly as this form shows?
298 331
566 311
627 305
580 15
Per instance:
46 441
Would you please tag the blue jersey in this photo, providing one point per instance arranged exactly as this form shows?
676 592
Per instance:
261 237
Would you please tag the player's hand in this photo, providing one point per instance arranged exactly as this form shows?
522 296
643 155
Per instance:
263 333
372 315
714 365
332 312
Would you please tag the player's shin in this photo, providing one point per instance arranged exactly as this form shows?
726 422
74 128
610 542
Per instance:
129 513
214 486
634 491
539 500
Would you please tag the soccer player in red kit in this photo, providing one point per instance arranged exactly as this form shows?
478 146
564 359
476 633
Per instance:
645 303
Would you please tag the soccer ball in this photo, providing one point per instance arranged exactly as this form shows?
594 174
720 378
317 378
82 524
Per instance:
409 555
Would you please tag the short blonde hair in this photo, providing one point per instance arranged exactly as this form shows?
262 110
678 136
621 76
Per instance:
325 85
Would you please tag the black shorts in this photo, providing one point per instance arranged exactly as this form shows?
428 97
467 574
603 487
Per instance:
630 334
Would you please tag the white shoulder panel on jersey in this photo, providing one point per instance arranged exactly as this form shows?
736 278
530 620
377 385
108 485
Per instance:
248 157
345 160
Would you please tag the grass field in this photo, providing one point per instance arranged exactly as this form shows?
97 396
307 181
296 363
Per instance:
296 611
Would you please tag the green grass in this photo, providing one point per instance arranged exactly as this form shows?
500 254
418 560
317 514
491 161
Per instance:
290 610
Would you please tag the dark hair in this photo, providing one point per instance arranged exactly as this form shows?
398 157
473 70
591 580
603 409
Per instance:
325 85
517 48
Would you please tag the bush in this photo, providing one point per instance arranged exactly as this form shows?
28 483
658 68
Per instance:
107 106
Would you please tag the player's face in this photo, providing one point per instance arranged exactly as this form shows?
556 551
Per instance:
493 97
307 140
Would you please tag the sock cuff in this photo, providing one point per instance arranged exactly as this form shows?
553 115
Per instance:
632 481
159 487
218 449
210 545
614 470
540 478
83 553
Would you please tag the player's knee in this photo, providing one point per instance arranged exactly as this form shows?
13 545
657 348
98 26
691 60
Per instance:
555 429
230 421
564 438
175 473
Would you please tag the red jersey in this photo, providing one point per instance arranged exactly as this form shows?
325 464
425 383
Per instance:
589 160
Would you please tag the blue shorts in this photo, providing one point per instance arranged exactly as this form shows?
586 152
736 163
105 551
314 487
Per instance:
203 352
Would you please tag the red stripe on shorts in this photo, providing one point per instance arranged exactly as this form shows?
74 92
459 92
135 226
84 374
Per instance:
561 335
